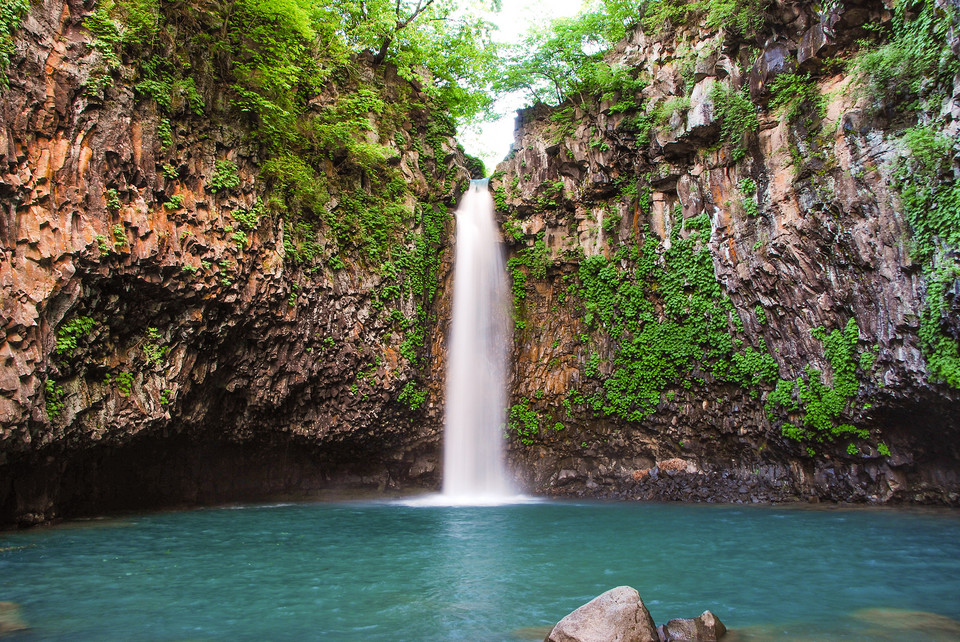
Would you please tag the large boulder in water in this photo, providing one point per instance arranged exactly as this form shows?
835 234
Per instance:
705 628
618 615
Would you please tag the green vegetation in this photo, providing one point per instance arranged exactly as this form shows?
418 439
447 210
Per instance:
102 246
275 58
914 67
909 74
737 116
794 95
413 271
249 219
154 349
552 63
113 200
524 421
528 262
53 398
174 203
124 382
930 195
670 322
225 177
119 236
761 315
741 17
117 25
12 13
818 404
70 333
748 189
412 396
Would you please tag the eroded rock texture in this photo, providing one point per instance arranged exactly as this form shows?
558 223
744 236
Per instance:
612 203
156 349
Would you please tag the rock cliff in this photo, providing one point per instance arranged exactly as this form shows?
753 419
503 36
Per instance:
169 332
720 280
735 272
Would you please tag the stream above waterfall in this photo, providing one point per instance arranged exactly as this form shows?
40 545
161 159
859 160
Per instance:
379 570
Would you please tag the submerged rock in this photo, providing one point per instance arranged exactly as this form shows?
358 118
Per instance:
618 614
906 625
10 618
706 627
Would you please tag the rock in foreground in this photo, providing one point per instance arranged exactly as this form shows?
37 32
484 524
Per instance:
618 614
705 628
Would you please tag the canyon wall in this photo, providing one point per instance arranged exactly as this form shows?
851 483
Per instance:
163 338
720 291
721 308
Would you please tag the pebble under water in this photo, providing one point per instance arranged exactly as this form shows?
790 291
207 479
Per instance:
373 570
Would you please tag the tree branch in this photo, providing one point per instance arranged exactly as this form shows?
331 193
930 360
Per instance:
422 5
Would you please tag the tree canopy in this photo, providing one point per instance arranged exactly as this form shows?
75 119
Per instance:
565 56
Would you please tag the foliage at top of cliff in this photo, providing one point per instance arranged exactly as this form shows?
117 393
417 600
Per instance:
567 56
284 50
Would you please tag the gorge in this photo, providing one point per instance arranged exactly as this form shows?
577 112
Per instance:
227 273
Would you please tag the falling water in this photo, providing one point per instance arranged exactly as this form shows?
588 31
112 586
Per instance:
476 372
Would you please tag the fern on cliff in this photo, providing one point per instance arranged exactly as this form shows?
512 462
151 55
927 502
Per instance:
914 65
740 17
907 77
12 13
930 195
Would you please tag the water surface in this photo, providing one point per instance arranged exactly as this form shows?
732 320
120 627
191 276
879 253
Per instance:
368 571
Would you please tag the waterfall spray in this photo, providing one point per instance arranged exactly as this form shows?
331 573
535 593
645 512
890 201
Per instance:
477 366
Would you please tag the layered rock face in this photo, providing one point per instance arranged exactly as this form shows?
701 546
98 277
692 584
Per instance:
705 309
714 311
158 343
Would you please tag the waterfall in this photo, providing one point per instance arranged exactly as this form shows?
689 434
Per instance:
473 467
